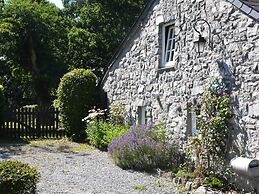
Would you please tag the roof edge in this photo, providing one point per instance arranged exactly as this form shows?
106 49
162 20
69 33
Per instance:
118 51
246 9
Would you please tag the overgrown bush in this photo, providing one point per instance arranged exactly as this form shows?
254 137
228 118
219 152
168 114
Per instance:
17 178
145 148
76 96
187 169
2 103
211 145
101 132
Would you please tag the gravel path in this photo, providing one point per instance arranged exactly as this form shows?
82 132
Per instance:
70 168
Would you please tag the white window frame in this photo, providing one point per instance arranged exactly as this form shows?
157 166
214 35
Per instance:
192 122
165 43
141 115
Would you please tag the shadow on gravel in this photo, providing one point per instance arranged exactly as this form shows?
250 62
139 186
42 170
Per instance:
22 147
49 148
10 147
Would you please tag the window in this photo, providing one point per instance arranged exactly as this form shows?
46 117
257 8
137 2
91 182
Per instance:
192 122
142 115
168 38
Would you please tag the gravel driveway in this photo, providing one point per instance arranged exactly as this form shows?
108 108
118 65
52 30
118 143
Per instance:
70 168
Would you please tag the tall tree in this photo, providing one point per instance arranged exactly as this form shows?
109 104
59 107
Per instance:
39 42
99 27
32 39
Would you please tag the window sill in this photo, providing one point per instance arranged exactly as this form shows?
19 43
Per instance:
162 69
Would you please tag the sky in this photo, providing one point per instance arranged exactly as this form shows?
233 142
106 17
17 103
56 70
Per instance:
57 2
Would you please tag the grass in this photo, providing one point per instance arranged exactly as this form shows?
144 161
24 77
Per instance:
82 147
181 189
159 184
186 174
49 145
62 145
140 187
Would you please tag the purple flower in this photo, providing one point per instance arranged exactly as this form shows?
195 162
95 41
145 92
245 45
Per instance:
141 148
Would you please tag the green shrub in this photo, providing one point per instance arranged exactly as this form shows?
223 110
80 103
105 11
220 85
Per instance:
145 148
2 103
76 96
17 178
214 182
100 132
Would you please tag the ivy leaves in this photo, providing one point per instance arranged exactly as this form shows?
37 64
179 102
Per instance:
213 123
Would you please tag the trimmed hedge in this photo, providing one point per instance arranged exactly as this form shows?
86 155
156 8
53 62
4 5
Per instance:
17 178
76 96
2 103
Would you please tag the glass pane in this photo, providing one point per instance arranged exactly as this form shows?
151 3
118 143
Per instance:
173 33
167 56
173 45
170 33
169 45
172 56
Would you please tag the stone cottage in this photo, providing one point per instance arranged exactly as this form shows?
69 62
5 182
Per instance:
157 70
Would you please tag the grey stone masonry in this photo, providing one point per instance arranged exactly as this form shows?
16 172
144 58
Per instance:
135 75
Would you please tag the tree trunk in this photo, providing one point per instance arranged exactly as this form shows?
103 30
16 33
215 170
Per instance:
33 57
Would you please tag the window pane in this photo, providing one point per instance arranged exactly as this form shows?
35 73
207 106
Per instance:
141 112
169 45
167 56
172 56
171 33
173 45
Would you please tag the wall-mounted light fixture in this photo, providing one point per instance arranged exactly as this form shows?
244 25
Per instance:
201 42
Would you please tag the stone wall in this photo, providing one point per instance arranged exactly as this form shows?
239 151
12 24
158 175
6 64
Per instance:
135 76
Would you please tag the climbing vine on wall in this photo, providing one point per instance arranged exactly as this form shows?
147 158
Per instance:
211 145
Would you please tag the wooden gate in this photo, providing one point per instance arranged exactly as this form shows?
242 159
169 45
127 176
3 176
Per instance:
26 122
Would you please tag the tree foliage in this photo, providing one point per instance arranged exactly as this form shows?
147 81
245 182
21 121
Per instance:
103 25
40 42
31 38
2 103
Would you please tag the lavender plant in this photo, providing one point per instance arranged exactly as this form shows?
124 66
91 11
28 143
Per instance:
145 148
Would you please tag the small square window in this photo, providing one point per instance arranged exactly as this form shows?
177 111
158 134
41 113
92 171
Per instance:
142 115
168 44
